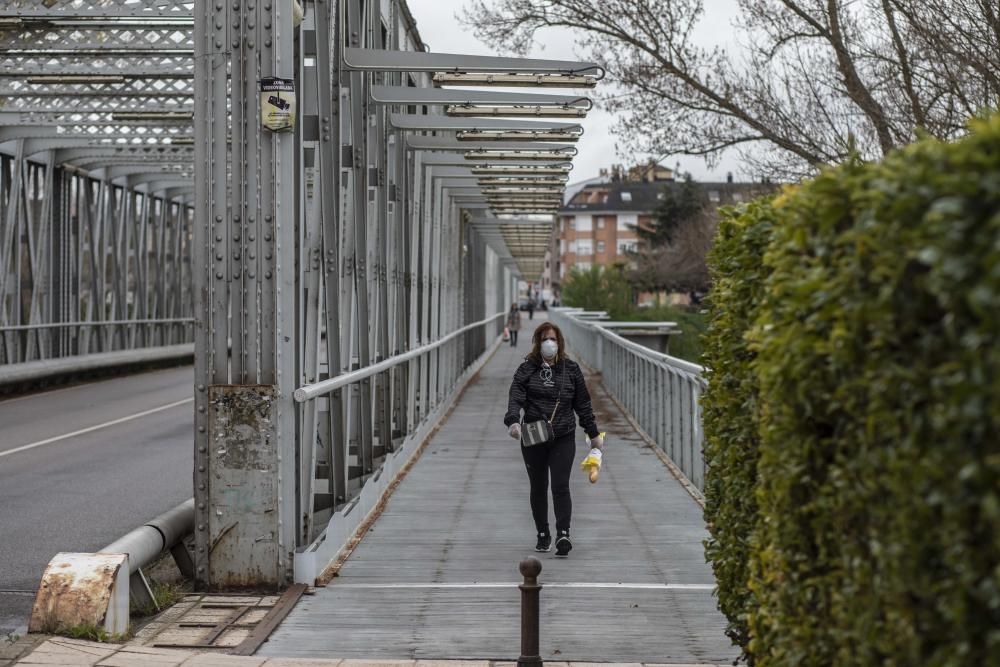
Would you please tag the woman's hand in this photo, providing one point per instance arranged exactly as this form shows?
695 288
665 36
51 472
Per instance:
597 442
514 431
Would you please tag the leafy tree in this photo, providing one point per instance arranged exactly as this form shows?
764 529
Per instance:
599 288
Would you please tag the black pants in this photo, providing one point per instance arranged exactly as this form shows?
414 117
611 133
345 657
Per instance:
555 458
513 337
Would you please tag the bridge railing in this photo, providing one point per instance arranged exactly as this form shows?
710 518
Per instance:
661 393
358 469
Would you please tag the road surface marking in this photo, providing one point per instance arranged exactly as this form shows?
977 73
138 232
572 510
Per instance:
49 441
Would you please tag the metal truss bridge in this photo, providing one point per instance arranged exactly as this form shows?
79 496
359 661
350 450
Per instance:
329 219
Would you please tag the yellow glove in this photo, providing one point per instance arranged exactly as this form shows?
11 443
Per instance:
592 463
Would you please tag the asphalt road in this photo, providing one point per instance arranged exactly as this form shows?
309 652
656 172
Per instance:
81 466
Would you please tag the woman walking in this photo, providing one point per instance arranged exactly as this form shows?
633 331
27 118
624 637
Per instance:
513 323
549 387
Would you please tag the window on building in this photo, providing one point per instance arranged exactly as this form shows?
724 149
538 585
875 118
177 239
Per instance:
600 246
627 247
572 246
562 246
626 196
627 223
714 196
583 266
737 197
584 223
584 247
568 224
600 223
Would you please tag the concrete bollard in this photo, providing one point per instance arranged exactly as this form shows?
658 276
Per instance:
530 568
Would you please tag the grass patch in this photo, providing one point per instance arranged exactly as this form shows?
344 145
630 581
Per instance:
91 632
165 594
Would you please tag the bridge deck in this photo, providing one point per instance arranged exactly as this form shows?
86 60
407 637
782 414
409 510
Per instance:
423 583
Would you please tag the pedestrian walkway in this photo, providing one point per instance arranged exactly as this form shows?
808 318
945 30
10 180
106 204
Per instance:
436 575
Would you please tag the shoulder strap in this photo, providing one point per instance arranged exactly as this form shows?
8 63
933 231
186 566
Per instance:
558 395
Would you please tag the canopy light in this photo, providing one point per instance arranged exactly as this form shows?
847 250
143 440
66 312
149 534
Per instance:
76 78
518 136
514 80
522 181
535 111
497 170
546 156
182 141
518 191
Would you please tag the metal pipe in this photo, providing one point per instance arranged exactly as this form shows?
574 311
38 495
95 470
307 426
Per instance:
148 541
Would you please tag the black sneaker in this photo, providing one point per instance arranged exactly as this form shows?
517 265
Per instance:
544 542
563 545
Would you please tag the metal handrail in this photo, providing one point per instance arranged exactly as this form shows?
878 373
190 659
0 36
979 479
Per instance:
660 393
311 391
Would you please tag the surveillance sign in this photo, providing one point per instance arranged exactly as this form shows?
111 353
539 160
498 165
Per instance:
277 104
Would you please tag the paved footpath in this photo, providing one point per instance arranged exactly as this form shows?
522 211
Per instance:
436 575
435 578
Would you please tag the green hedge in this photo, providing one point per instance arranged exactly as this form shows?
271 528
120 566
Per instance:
877 385
730 405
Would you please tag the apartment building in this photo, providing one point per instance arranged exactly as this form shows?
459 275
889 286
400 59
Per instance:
597 223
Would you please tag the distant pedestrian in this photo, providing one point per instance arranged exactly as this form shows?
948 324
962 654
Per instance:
531 309
513 323
549 387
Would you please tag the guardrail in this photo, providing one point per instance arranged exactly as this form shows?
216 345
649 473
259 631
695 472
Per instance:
45 341
661 393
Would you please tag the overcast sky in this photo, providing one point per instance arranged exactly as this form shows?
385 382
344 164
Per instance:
443 34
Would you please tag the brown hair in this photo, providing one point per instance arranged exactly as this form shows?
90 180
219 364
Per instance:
536 343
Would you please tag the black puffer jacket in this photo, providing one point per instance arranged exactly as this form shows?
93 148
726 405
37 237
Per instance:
538 398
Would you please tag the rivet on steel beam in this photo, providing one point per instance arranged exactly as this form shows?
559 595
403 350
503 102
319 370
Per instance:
267 43
267 275
251 238
218 238
267 256
218 275
201 468
201 526
201 408
201 387
201 487
218 256
236 43
250 44
218 43
236 237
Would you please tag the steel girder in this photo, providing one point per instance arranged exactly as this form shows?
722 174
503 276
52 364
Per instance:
303 255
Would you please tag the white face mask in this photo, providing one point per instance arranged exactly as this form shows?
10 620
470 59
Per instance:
549 349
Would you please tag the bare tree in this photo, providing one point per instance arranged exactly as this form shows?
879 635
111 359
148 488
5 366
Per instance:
680 265
811 82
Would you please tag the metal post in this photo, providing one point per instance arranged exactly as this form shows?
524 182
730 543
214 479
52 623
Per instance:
530 568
